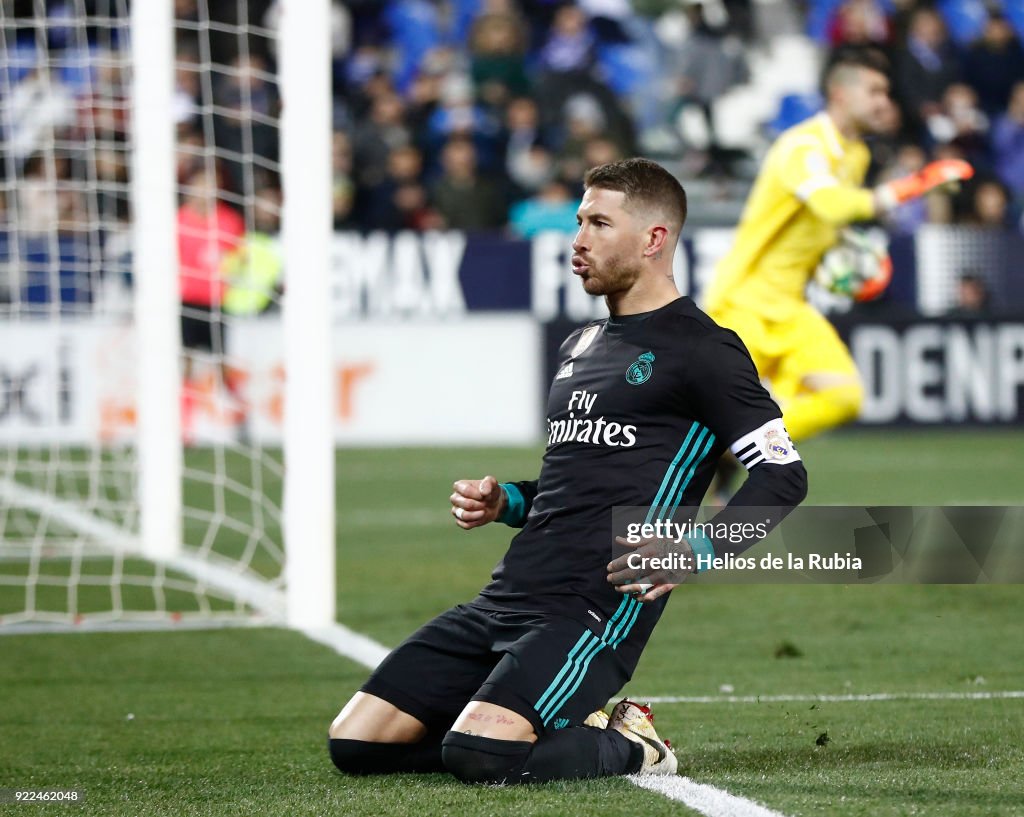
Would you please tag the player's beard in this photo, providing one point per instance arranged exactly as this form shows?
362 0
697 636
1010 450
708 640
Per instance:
610 277
869 123
867 126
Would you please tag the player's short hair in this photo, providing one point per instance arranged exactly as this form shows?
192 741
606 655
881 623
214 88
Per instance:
646 184
842 65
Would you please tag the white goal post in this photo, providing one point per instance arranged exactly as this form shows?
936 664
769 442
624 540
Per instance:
138 529
305 58
155 278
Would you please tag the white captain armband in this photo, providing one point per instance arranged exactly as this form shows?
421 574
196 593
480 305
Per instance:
768 444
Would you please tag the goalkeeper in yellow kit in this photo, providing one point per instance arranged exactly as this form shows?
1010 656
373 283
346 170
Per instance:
808 189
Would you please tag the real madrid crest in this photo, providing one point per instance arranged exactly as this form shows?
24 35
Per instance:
640 370
776 446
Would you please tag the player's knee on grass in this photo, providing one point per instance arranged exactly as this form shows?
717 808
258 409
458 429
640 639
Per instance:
348 755
473 759
363 757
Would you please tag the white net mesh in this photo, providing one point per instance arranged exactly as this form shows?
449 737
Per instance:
69 518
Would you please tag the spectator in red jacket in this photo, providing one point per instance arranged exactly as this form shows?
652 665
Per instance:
208 229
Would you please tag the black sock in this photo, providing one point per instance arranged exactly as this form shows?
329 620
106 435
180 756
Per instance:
566 754
363 757
582 751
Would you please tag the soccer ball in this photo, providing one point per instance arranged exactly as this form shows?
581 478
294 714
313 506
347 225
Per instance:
858 266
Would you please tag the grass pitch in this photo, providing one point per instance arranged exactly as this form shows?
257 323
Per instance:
233 721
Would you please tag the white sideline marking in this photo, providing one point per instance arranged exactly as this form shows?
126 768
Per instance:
702 797
864 698
360 648
714 802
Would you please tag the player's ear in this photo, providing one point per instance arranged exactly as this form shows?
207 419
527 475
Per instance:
657 240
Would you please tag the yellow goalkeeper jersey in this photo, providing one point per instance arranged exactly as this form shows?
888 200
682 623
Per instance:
808 187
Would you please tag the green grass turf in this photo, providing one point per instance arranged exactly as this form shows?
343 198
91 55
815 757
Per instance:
233 721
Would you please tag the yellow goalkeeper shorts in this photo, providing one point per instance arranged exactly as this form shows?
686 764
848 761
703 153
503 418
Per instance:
787 352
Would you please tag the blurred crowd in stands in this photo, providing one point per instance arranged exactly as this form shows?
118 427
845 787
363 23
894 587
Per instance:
484 114
477 114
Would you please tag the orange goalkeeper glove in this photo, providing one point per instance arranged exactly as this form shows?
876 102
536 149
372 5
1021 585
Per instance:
933 175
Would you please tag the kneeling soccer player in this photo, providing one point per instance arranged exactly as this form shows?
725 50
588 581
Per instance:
504 689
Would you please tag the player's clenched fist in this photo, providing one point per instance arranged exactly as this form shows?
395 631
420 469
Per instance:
476 502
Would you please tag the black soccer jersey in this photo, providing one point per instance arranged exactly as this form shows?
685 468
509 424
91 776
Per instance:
639 412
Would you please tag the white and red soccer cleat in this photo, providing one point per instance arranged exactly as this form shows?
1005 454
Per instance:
636 723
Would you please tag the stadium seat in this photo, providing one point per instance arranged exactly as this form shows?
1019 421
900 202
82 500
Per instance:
631 71
627 68
1015 14
463 14
965 19
415 30
78 69
793 109
21 58
819 15
38 281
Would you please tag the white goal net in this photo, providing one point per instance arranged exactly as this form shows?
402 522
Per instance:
71 471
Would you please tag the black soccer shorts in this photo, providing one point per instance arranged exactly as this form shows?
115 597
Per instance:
202 328
550 669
